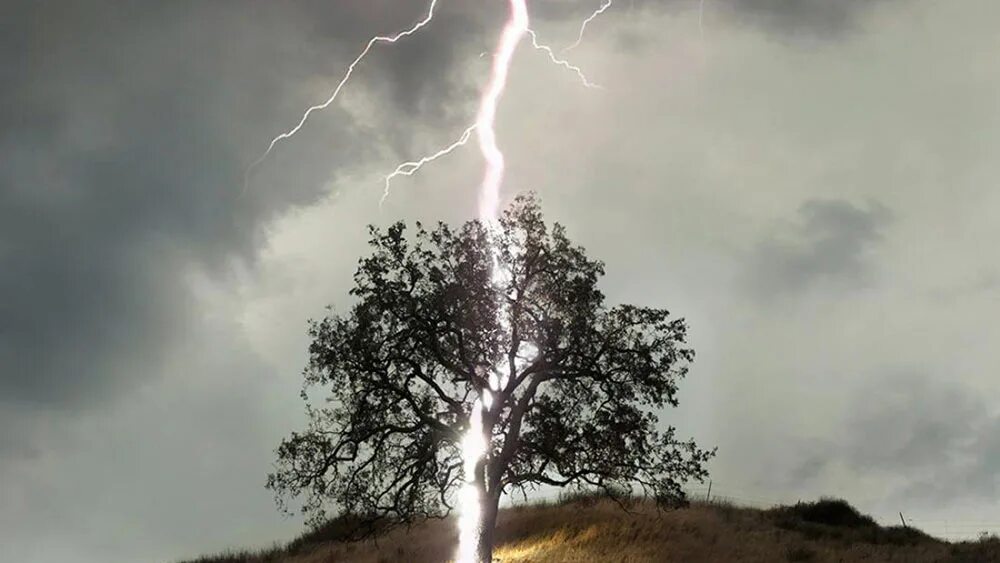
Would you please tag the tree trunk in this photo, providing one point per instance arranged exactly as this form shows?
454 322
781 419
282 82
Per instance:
487 526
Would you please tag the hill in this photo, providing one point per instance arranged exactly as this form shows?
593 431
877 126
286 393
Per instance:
584 530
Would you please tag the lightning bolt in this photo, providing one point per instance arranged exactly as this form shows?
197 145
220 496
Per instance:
410 168
561 62
586 22
340 86
489 191
489 202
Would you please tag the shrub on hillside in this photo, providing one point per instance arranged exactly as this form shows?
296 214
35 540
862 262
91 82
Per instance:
837 519
902 535
831 512
985 550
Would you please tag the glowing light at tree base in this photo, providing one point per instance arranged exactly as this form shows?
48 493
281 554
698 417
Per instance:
470 507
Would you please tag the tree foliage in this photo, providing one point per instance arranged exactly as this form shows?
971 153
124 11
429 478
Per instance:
577 384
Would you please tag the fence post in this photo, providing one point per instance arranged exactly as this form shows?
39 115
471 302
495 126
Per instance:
708 496
902 520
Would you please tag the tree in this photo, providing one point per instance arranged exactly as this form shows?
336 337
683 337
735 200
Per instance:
574 384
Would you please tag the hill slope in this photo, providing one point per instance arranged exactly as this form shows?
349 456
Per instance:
590 531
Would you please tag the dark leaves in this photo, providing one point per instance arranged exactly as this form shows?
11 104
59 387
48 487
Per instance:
423 339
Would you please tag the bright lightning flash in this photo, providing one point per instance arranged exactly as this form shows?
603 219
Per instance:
513 31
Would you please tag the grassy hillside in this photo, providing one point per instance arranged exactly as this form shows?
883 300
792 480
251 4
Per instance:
585 530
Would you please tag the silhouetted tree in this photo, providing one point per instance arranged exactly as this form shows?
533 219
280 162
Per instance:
576 383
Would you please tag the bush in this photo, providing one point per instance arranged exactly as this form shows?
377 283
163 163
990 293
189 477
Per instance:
832 512
903 535
983 551
838 520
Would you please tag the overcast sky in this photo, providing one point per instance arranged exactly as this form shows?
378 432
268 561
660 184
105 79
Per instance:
812 184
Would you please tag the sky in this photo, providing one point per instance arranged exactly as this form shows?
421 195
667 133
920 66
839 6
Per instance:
811 184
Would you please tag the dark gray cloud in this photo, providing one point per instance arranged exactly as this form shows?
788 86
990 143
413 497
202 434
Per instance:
140 479
953 448
821 18
788 18
829 244
909 422
937 439
126 128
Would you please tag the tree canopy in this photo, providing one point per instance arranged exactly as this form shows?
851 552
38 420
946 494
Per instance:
576 384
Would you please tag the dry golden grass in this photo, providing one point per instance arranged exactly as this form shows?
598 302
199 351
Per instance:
603 532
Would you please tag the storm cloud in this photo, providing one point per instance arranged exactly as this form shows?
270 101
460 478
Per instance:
832 157
829 243
125 135
126 132
802 18
936 438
